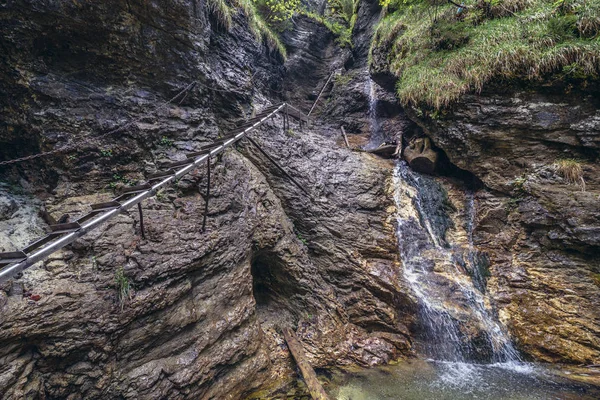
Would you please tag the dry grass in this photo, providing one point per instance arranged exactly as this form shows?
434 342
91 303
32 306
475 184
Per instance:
437 62
571 171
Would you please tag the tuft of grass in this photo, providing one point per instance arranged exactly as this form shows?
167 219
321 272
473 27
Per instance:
439 53
259 27
221 11
571 171
123 287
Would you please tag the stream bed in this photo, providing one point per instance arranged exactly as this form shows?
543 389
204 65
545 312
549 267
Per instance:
434 380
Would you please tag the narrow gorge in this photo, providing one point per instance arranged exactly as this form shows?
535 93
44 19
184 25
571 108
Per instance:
431 230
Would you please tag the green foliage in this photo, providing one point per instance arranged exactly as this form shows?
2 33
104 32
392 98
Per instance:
165 141
259 26
343 8
116 179
519 185
343 79
303 240
340 19
122 286
106 153
278 13
440 52
596 279
221 11
161 196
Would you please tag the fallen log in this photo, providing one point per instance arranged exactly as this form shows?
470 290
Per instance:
308 373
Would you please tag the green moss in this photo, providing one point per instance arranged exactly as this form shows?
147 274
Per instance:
596 279
221 11
261 30
439 53
340 18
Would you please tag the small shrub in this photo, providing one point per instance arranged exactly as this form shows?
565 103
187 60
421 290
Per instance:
165 141
571 171
116 179
343 79
519 185
303 240
122 286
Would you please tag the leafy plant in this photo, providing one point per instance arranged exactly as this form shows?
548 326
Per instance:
116 179
123 287
519 185
106 152
303 240
278 13
165 141
161 195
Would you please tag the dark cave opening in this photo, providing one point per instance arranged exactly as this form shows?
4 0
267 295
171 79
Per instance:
271 284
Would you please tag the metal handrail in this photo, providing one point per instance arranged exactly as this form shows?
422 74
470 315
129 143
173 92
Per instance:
45 251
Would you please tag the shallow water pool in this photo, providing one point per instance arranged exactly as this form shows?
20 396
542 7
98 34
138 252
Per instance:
431 380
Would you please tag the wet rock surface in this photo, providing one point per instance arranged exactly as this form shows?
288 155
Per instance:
540 231
182 313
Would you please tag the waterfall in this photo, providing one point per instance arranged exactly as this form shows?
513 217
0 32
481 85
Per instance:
457 322
376 137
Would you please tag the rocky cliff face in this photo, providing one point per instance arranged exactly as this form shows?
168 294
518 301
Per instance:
540 231
201 316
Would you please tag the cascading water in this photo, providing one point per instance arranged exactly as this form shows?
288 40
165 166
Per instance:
376 137
456 318
469 355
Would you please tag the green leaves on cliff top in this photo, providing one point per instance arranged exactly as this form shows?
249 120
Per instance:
440 51
261 30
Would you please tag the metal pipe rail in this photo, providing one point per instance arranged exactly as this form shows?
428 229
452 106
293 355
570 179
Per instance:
47 249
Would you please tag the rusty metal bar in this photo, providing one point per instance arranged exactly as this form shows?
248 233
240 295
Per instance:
43 252
40 242
141 219
345 137
308 373
11 257
279 167
320 93
160 175
174 164
197 153
109 205
135 189
65 228
89 216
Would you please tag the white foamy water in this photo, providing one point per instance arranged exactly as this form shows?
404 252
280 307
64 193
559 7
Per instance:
430 266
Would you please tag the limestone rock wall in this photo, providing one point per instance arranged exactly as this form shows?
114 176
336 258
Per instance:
541 232
202 316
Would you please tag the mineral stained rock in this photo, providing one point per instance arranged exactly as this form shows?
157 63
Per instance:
183 313
541 232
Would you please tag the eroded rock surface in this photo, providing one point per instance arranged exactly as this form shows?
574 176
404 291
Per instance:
541 232
201 316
